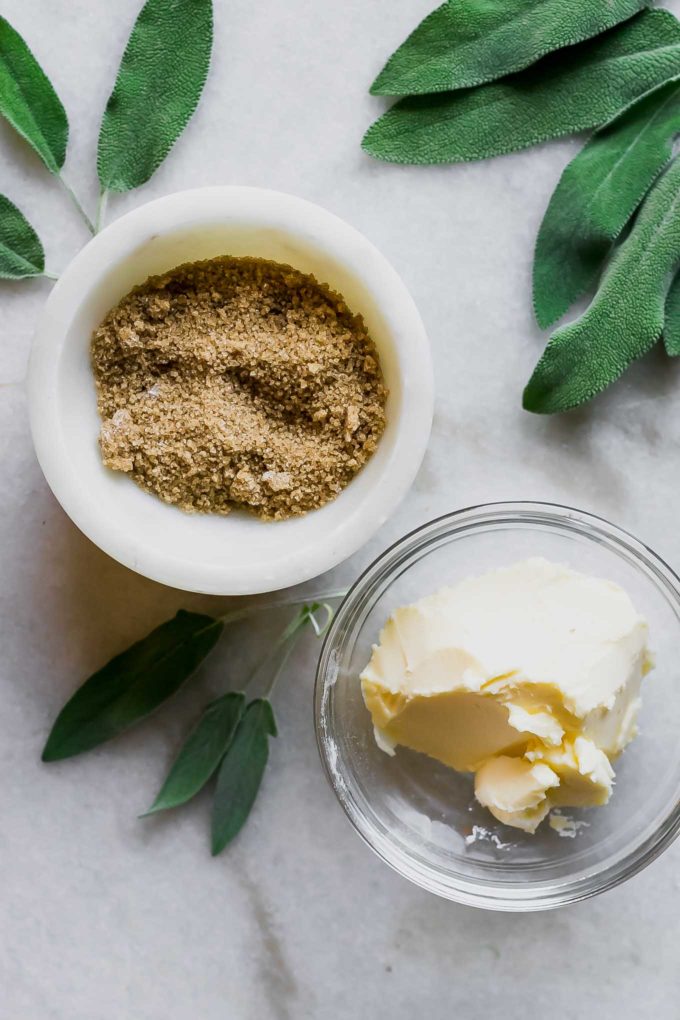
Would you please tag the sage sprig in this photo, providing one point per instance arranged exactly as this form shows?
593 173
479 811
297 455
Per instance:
671 328
28 100
596 197
202 753
626 317
158 86
21 252
575 89
159 83
242 769
232 736
30 104
482 80
241 772
465 42
132 684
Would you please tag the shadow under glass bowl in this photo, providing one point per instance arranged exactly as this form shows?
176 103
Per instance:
419 816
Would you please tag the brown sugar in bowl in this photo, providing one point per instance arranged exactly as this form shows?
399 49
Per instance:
212 553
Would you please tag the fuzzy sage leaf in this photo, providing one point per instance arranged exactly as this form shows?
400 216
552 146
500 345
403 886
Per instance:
626 317
158 87
21 252
201 753
132 684
241 771
671 327
575 89
597 195
465 42
28 100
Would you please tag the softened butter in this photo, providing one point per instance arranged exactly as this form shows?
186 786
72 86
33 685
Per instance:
528 676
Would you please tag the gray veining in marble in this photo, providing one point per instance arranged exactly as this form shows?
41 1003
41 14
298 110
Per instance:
104 917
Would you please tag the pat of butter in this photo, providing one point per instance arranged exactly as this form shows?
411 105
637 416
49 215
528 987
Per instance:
528 676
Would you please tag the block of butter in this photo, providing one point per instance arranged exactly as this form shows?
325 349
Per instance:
528 676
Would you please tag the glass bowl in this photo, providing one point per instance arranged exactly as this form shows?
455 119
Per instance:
421 817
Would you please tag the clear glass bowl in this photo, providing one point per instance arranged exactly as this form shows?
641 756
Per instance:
421 817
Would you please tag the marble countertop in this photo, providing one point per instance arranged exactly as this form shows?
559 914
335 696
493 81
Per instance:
104 917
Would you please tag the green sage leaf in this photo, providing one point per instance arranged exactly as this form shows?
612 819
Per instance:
201 754
132 684
626 317
465 42
596 197
671 327
578 88
241 771
21 253
28 101
158 87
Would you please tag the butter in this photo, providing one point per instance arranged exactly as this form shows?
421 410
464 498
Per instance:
528 676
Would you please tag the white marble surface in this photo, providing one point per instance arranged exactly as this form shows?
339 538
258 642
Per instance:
104 917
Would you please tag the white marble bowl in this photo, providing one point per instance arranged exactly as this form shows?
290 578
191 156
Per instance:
421 817
237 554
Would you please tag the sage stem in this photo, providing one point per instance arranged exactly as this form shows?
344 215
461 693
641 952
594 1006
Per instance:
101 211
74 199
246 611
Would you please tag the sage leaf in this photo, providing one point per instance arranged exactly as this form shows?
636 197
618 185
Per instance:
28 101
575 89
671 327
240 774
21 253
158 87
626 317
132 684
465 42
201 753
596 197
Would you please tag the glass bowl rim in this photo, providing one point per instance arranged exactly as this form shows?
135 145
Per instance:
449 886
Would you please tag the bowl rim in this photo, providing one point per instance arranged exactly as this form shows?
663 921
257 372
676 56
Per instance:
465 891
211 207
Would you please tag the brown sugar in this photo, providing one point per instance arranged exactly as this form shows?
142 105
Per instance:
237 382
